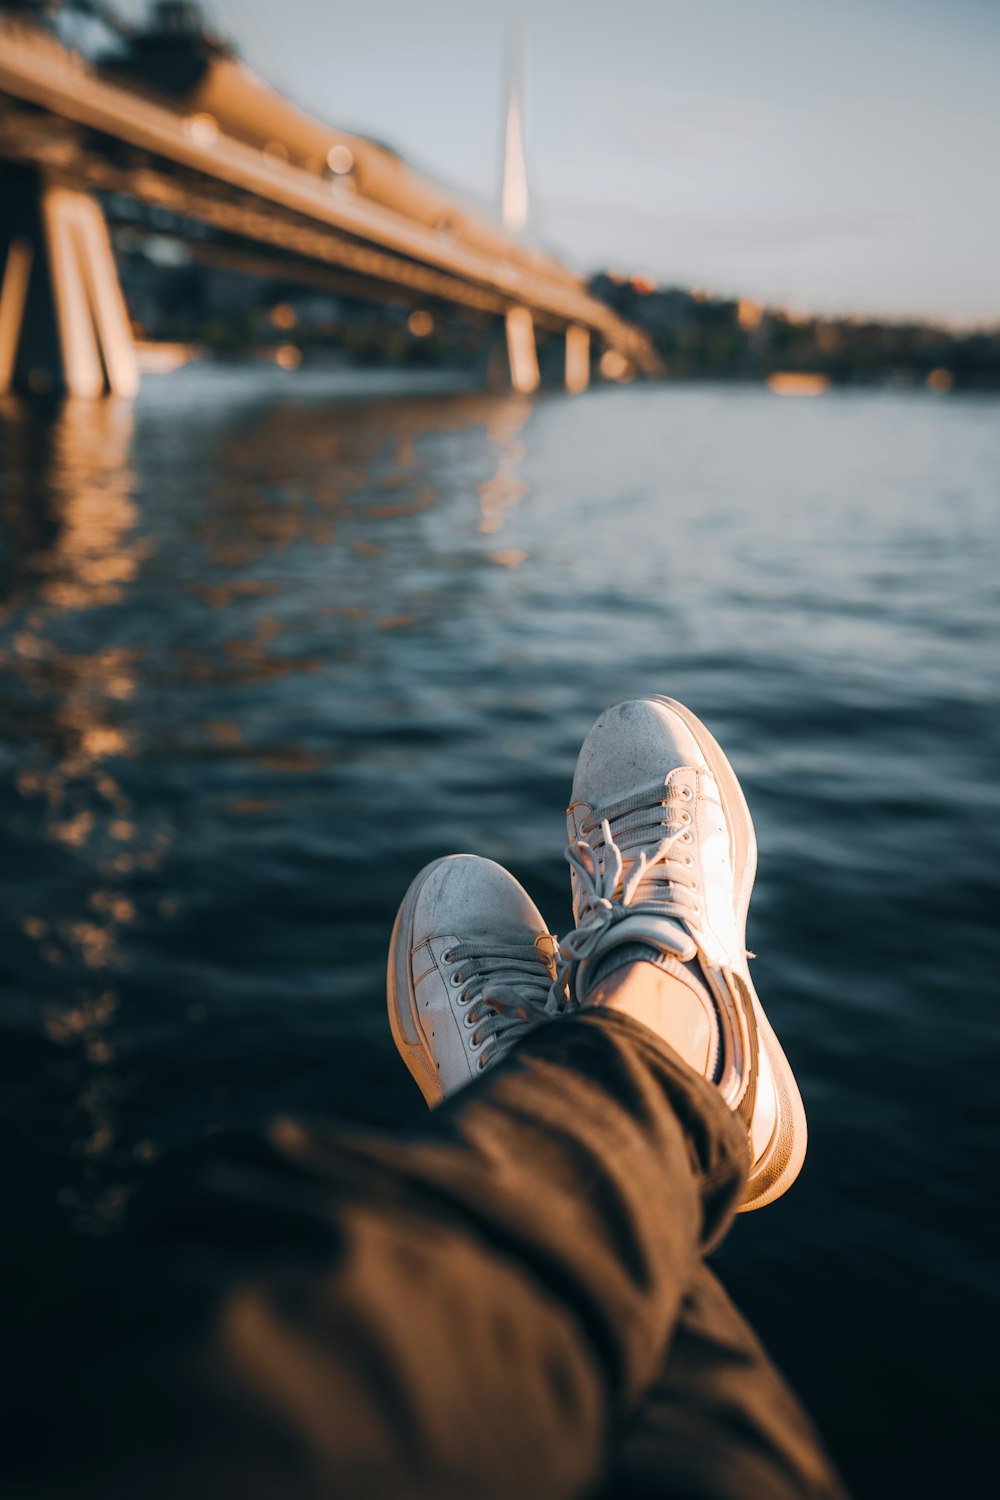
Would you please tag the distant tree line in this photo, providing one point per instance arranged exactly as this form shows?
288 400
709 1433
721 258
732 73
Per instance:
728 338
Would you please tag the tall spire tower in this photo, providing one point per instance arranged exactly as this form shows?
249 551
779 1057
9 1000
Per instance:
514 192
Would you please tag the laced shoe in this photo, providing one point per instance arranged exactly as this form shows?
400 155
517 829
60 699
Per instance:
471 969
662 856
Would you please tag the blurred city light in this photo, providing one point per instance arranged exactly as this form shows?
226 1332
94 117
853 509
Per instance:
202 129
614 365
340 159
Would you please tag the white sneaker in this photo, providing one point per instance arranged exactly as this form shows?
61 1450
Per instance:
471 966
662 853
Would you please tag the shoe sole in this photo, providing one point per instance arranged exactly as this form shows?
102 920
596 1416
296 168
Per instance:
415 1054
775 1171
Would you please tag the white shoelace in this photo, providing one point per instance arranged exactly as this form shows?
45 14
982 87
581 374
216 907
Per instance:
507 991
660 881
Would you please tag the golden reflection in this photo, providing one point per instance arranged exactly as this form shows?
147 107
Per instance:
224 734
423 498
75 548
290 758
222 595
940 380
505 489
249 807
349 611
795 383
395 622
299 475
287 476
92 555
296 473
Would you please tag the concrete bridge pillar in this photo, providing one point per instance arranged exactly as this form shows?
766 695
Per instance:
63 323
577 358
521 351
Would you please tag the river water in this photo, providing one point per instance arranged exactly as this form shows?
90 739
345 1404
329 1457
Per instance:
264 651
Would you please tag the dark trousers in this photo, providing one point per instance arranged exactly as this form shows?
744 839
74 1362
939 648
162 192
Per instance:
510 1301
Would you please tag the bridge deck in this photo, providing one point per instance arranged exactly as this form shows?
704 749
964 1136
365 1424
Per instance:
263 200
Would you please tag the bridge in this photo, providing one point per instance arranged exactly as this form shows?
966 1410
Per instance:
279 193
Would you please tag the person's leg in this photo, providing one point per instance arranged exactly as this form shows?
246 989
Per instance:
720 1422
476 1309
472 1309
663 856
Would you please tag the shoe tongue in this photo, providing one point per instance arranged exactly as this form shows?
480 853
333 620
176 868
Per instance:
506 934
658 932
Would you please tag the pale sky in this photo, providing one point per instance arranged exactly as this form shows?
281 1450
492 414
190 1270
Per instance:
829 155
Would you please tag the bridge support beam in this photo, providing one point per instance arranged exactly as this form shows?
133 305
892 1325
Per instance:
521 351
63 324
577 358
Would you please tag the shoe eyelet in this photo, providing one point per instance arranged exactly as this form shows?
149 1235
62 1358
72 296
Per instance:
474 1046
468 1019
686 817
687 838
689 861
463 998
457 978
449 957
483 1062
686 793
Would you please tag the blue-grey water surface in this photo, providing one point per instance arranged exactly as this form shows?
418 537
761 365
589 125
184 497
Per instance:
264 652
